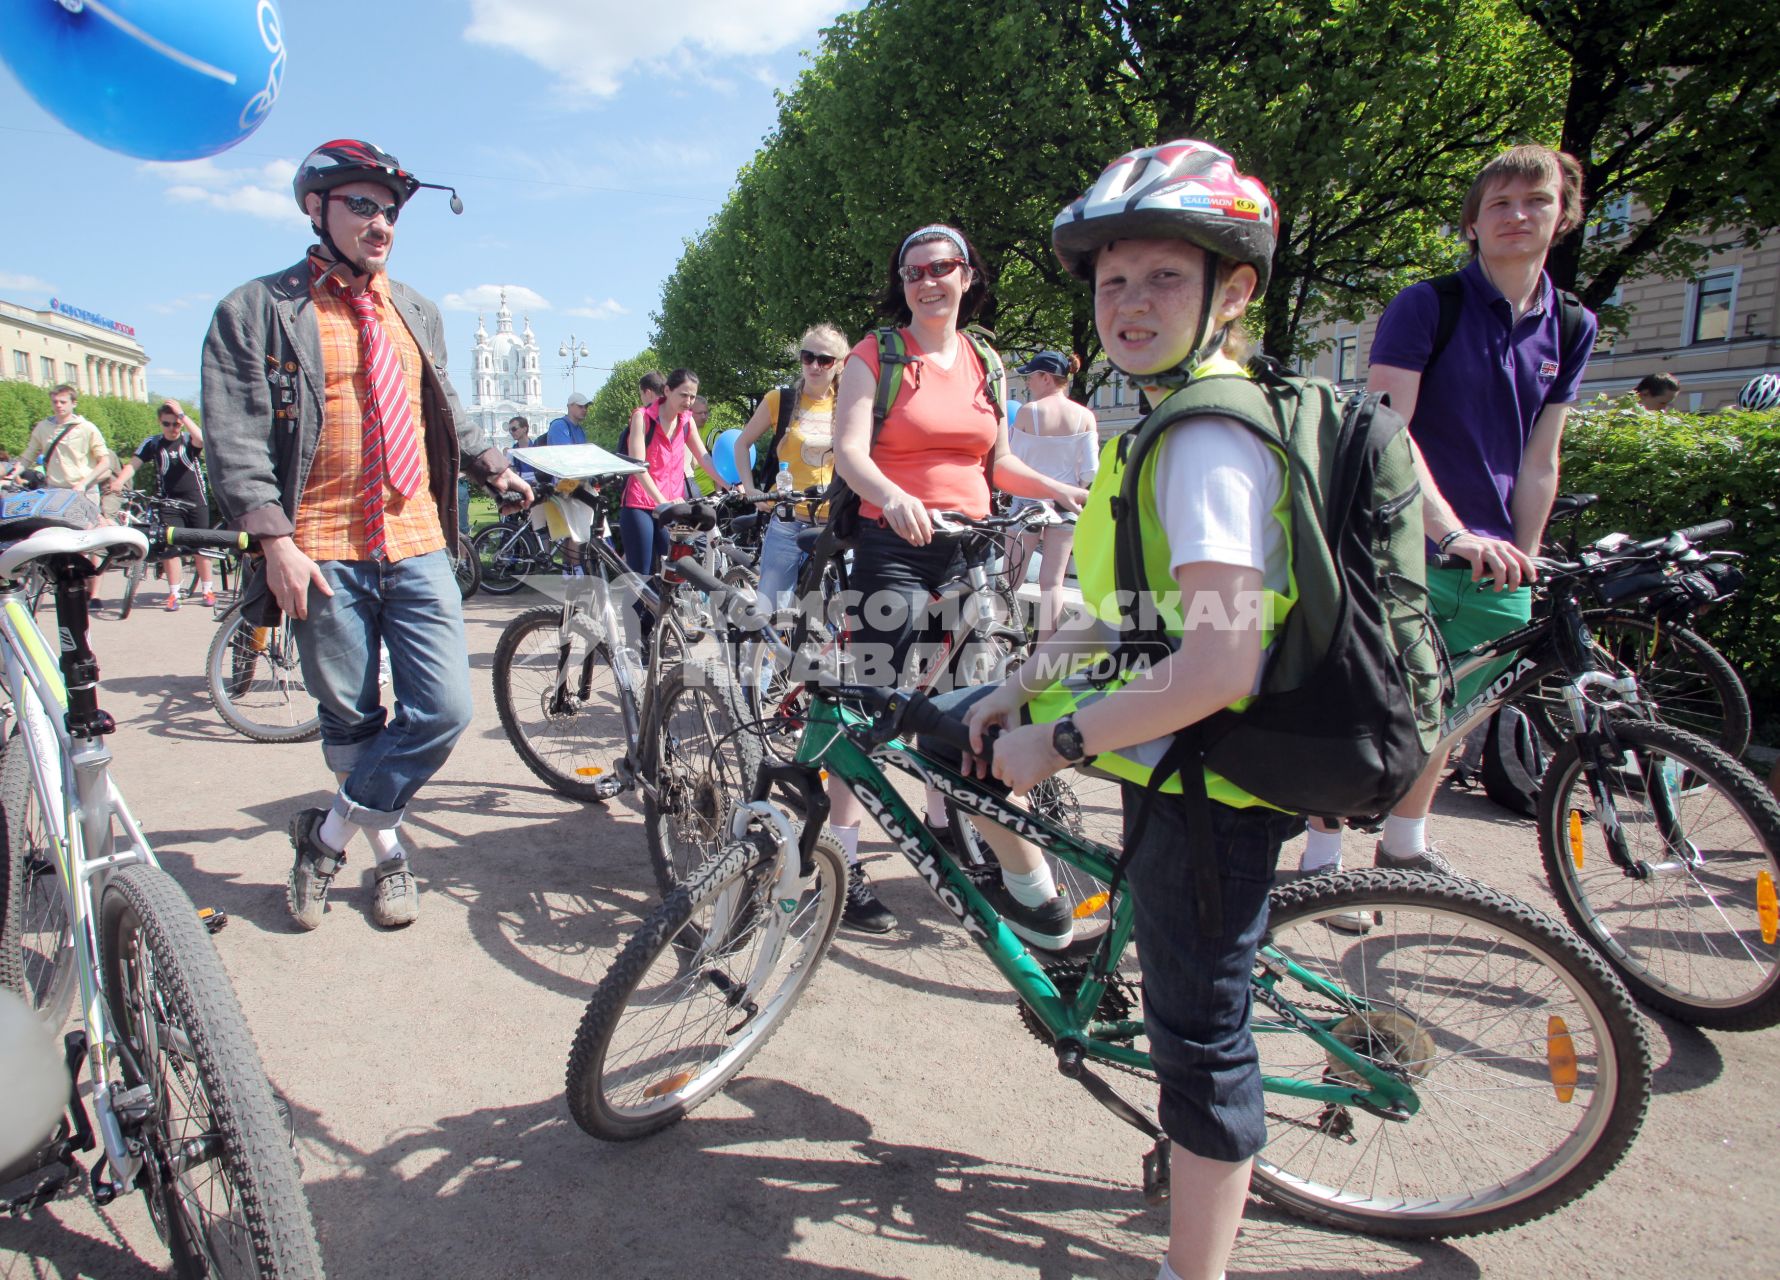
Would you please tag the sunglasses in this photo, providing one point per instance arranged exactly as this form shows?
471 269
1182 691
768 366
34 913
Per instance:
938 270
817 358
367 208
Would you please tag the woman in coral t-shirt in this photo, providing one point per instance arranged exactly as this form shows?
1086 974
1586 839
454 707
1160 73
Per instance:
943 444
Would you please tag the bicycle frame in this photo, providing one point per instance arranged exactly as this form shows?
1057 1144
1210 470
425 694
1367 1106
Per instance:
828 744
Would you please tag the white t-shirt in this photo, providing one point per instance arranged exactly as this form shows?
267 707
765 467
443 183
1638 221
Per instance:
1217 483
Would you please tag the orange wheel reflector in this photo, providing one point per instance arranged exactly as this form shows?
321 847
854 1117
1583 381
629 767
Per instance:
1767 907
589 771
1088 906
1576 837
1560 1058
260 636
673 1084
824 774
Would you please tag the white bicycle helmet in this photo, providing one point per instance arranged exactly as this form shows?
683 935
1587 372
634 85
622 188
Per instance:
1762 392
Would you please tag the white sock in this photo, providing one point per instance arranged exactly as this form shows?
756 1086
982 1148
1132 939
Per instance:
937 818
1030 888
848 838
336 832
385 843
1404 836
1321 849
1169 1273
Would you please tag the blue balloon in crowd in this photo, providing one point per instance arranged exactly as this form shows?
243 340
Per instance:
1013 408
155 79
723 455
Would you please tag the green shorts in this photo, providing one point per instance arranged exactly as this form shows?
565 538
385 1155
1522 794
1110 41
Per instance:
1468 617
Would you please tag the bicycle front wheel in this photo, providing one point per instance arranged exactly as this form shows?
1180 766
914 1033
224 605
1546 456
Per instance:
699 988
133 573
504 556
559 702
700 764
1688 682
36 948
219 1173
1529 1066
1690 923
466 566
256 681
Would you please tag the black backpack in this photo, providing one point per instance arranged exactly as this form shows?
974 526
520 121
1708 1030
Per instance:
1513 762
766 461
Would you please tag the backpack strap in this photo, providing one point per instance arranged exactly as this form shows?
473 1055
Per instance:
994 372
1450 291
1570 312
893 355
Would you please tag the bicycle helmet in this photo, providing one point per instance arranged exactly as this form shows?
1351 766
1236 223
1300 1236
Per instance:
343 160
1761 392
1183 190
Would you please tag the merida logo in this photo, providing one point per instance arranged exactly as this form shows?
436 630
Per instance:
924 863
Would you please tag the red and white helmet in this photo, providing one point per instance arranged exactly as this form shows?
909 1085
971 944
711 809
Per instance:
1180 190
334 164
1760 392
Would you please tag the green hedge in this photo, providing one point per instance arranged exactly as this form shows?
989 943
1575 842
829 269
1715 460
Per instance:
125 424
1657 472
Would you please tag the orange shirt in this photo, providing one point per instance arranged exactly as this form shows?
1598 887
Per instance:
938 434
330 517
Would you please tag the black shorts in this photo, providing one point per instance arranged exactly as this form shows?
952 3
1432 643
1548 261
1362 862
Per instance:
197 517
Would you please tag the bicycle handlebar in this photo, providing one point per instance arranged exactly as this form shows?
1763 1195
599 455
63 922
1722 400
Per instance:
210 539
700 515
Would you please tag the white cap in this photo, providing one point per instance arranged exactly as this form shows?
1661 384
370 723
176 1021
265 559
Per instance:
578 398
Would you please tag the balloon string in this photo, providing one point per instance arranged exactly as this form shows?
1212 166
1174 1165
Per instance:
184 59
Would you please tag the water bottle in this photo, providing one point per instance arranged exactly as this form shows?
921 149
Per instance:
782 486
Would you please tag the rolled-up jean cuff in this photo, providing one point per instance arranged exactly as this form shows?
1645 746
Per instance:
359 816
342 757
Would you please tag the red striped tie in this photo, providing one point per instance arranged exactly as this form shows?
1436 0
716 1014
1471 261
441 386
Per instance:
392 445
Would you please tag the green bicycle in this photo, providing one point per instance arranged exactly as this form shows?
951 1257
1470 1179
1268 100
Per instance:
1465 1066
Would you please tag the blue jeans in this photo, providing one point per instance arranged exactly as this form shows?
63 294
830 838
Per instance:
780 561
411 607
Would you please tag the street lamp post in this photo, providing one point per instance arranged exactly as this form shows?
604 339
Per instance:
574 351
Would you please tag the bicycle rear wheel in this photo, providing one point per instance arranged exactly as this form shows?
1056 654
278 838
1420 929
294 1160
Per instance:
219 1174
1692 926
1528 1061
1085 805
675 1017
504 555
701 764
466 566
36 949
133 574
256 681
559 702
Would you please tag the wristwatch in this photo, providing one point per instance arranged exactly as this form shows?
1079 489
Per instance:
1066 739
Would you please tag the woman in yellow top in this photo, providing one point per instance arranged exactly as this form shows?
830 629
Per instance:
807 448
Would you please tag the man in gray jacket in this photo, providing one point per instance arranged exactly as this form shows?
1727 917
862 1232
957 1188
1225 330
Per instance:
336 438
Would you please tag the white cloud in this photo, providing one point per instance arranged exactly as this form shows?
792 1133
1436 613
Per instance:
487 297
261 192
183 302
610 309
592 44
14 282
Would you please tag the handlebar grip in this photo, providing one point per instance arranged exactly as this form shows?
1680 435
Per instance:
922 717
699 576
207 539
700 515
1711 529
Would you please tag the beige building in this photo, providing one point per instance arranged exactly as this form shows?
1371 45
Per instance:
66 344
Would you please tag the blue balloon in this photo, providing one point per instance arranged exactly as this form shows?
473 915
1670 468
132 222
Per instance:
155 79
723 455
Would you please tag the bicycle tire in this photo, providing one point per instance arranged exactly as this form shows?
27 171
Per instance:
133 573
1688 938
1690 683
700 764
569 742
36 948
1470 993
466 566
501 563
715 920
256 681
214 1137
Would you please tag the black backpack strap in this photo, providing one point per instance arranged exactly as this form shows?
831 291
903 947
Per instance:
1185 756
1570 313
1449 289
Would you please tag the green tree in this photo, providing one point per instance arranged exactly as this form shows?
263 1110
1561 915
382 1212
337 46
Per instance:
609 412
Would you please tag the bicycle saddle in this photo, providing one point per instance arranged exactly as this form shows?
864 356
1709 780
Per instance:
1566 504
54 522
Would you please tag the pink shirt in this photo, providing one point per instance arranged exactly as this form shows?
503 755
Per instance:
938 434
666 460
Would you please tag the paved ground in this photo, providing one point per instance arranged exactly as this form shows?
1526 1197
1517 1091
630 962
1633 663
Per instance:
902 1124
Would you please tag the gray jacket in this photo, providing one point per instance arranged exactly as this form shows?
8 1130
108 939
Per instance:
263 391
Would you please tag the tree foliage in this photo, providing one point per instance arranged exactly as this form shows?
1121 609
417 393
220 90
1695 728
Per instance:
124 423
608 413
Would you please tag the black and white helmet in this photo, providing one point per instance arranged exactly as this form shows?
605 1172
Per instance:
1762 392
334 164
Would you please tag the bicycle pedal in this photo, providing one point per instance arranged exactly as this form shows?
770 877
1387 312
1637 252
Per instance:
214 920
1155 1173
607 787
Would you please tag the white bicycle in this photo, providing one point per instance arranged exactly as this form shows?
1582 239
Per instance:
175 1097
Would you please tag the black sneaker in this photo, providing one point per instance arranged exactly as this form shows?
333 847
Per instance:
863 911
313 871
1050 925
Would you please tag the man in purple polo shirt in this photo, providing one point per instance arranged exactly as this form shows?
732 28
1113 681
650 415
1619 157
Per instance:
1487 417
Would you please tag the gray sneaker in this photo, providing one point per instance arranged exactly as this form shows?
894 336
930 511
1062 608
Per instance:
1428 859
313 871
397 901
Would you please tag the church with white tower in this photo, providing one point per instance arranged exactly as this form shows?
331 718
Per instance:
506 381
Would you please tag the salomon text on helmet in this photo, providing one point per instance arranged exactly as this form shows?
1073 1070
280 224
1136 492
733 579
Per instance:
1760 392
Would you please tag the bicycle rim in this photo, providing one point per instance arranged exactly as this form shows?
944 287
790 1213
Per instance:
700 766
36 948
668 1025
219 1173
1695 930
1528 1063
256 681
559 702
504 556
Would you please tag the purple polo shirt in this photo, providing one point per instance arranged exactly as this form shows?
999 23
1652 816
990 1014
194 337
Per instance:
1476 407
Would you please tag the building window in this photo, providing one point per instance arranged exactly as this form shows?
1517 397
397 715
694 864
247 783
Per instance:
1714 297
70 374
1347 358
49 369
21 365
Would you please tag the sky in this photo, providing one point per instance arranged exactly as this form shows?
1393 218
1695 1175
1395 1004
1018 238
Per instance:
587 138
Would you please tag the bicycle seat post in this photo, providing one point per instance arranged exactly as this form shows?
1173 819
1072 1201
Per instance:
80 667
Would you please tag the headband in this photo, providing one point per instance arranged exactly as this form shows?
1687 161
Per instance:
939 229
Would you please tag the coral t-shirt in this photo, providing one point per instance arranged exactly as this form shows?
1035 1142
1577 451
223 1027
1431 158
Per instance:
939 432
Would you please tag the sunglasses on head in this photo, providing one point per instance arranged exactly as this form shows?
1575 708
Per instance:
817 358
938 270
367 208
